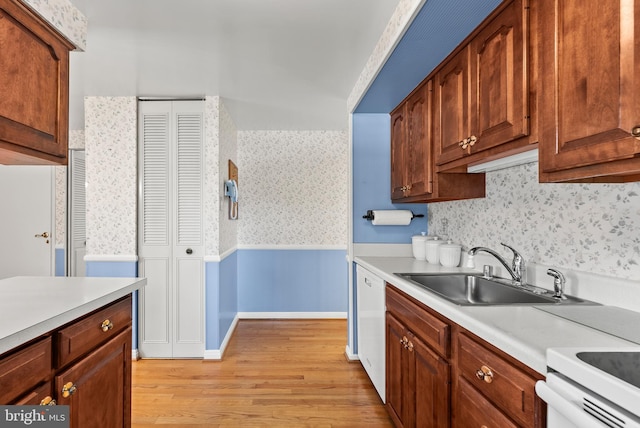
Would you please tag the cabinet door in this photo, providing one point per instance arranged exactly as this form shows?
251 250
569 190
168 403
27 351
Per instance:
34 83
101 386
499 79
431 376
473 410
399 404
452 108
398 144
418 162
590 75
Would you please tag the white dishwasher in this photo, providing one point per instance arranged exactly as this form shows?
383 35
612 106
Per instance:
371 327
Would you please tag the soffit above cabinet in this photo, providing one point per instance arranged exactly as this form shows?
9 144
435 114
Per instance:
437 29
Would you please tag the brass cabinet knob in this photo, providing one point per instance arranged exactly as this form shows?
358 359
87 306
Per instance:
410 346
485 374
48 401
106 325
68 389
472 140
635 131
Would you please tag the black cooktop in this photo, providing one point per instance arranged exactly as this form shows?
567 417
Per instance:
624 365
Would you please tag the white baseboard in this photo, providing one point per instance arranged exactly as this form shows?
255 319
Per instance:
135 356
216 354
292 315
350 355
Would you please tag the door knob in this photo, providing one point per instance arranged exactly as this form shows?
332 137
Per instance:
44 235
189 251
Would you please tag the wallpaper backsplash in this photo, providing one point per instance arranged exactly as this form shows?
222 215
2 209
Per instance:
585 227
293 188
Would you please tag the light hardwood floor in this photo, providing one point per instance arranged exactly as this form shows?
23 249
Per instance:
275 373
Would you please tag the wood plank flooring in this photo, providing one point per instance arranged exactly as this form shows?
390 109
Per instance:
275 373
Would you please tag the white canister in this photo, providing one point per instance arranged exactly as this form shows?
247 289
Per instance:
417 243
432 250
450 254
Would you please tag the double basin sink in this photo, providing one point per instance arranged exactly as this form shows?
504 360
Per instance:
474 290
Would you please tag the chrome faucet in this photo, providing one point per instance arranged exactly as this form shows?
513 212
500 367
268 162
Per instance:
517 270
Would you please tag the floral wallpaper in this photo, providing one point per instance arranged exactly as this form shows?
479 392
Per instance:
228 150
111 165
584 227
399 21
220 146
64 17
211 191
293 188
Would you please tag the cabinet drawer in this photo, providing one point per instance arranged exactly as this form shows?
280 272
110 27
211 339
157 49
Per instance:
97 328
21 371
504 384
35 396
473 410
435 332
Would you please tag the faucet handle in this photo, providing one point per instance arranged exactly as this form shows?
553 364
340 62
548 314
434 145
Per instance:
558 282
518 264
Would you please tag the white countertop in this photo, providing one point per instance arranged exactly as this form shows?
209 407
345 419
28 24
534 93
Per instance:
523 332
31 306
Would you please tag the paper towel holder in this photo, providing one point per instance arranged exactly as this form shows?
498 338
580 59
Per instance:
370 216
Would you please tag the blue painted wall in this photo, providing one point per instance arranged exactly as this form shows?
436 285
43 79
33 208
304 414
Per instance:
372 182
119 270
60 262
292 281
221 305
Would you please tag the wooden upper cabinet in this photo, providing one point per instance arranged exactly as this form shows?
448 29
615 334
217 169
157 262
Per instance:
482 92
398 143
34 87
411 161
590 73
499 79
452 108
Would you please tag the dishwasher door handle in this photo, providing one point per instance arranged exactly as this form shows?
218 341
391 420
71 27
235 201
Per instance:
565 408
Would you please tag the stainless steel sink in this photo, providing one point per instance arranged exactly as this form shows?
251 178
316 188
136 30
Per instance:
472 290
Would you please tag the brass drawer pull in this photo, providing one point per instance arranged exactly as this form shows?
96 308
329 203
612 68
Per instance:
485 374
635 131
106 325
48 401
68 389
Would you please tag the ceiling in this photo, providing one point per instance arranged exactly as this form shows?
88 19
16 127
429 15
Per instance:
278 64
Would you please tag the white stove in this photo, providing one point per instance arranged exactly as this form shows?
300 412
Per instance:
592 387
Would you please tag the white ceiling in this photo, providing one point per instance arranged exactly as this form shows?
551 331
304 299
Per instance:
278 64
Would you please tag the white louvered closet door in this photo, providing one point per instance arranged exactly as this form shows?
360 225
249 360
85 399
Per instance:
76 192
171 316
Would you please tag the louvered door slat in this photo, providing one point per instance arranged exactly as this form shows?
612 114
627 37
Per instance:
156 179
189 175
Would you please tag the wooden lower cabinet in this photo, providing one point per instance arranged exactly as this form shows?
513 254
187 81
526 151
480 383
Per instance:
418 378
474 410
85 364
99 386
449 377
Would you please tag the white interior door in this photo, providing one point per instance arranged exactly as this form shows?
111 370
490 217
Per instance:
171 320
27 221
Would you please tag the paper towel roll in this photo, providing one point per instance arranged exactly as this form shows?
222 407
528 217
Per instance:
392 217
